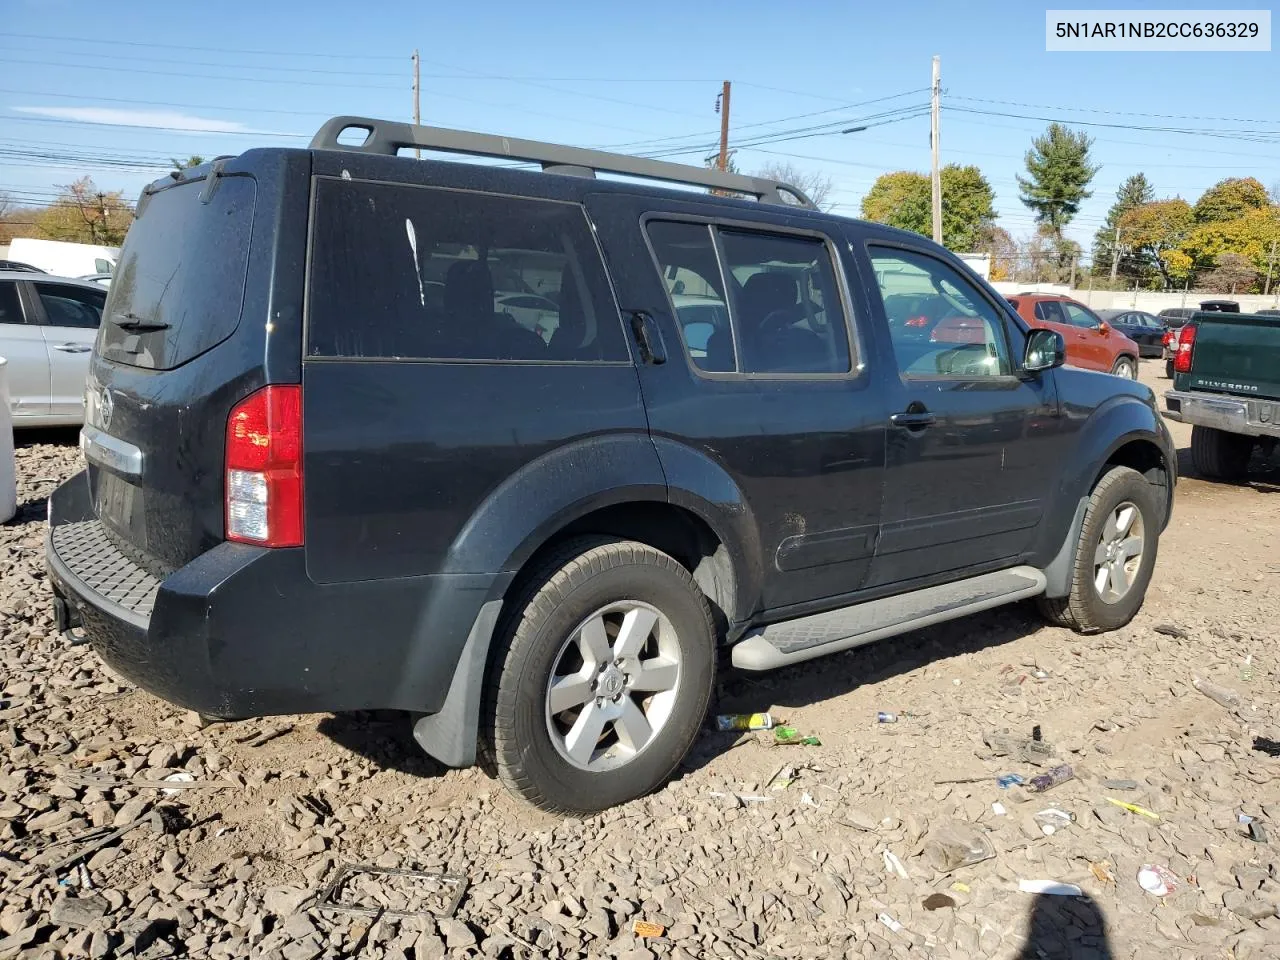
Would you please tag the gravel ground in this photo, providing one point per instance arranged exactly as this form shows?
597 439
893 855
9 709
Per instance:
840 863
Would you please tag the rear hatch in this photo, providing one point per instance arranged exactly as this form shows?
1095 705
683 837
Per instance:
1235 353
204 308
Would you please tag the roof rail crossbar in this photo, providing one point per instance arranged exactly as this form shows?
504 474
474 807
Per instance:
388 138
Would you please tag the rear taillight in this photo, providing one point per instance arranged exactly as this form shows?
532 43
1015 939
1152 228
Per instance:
917 322
264 468
1186 346
1168 337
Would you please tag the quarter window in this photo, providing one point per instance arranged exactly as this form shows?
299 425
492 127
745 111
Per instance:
451 275
66 306
782 314
10 306
940 325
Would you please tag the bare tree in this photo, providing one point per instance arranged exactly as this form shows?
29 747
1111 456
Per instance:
6 205
818 186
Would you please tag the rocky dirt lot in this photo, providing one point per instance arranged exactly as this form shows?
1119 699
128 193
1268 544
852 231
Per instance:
840 863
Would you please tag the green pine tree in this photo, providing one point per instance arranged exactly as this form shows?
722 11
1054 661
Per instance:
1134 192
1058 176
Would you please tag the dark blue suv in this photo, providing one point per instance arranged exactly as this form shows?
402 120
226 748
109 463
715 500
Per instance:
523 453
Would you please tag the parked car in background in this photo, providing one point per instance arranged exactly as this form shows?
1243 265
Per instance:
1139 326
1175 317
1092 343
18 267
531 311
64 258
306 490
1266 313
47 329
1227 386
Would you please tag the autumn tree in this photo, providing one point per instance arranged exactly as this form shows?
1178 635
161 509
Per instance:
1231 198
997 242
904 200
1155 231
818 187
85 214
1134 192
1058 176
1233 273
1250 236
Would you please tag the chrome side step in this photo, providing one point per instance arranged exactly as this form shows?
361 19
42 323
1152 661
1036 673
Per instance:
794 641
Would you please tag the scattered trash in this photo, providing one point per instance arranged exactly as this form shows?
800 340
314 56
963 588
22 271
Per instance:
1156 879
1223 696
1133 808
643 929
790 736
1169 630
806 800
1101 871
998 809
97 839
889 922
784 778
893 865
1257 833
1266 745
1246 669
936 901
959 887
1244 819
743 797
1053 888
1037 734
986 779
1053 820
952 845
183 778
449 888
885 717
1121 784
744 721
266 736
1005 781
1045 781
1022 749
223 831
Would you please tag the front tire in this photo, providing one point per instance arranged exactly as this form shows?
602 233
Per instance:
1114 556
605 677
1126 367
1219 455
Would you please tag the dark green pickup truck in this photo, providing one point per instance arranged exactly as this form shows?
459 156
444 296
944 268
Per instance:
1227 386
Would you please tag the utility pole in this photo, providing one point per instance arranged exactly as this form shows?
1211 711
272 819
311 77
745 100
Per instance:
723 107
1072 283
1271 262
417 97
933 139
1115 256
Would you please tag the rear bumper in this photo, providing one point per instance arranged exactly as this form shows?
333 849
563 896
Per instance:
242 631
1252 418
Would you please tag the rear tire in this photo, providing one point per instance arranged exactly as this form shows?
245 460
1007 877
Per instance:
1114 556
1219 455
604 678
1168 369
1126 367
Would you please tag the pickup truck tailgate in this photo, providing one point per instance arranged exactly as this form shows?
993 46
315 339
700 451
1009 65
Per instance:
1237 354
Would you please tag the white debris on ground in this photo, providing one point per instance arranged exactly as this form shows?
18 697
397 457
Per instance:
1170 790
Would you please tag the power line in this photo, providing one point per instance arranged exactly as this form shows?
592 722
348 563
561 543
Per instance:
98 41
1260 136
1118 113
191 76
144 126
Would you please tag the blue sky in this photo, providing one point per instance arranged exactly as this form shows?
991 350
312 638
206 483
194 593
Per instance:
617 74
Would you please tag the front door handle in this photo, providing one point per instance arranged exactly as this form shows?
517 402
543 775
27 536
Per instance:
915 418
73 348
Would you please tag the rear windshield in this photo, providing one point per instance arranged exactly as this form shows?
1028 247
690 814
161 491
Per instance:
179 286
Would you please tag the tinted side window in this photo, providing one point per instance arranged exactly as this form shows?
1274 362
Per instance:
691 273
10 306
66 306
1050 311
441 274
1078 316
785 304
940 325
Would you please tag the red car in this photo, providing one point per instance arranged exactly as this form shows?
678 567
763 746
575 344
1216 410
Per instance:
1092 343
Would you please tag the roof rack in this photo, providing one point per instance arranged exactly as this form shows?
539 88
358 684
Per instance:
388 138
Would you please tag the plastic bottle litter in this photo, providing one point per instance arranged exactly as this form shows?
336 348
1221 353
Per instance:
893 865
1157 879
1051 779
1133 808
790 736
1053 820
953 845
1010 780
1052 887
744 721
1223 696
889 922
884 716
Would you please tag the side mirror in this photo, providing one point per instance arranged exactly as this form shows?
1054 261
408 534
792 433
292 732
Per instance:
1104 328
1045 350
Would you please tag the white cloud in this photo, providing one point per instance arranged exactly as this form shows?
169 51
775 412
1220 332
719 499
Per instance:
159 119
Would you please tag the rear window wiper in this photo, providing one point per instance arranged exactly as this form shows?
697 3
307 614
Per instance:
131 321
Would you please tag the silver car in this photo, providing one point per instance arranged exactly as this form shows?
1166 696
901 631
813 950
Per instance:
47 329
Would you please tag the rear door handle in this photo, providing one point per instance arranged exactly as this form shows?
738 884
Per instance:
648 338
913 420
73 348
